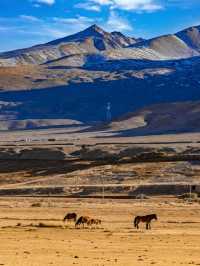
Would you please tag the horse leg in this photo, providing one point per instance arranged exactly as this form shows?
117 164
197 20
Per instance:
137 225
147 226
67 224
64 224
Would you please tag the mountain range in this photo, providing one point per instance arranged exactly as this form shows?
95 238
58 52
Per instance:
71 80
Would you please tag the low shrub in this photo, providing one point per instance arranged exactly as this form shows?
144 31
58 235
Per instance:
189 196
36 205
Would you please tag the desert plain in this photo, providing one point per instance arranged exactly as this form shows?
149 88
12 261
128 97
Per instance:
37 236
42 180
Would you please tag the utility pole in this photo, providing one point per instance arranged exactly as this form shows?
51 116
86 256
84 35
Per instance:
190 191
103 188
190 184
102 185
76 182
105 172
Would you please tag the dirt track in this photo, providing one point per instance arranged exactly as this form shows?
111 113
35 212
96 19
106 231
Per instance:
173 240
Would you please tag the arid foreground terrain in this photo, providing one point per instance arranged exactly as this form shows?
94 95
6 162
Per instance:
35 236
42 179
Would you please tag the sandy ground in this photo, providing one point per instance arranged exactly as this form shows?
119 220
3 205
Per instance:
173 240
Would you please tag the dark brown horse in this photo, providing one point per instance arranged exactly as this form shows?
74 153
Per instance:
82 220
145 219
70 217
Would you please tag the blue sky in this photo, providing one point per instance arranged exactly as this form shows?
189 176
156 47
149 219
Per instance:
27 22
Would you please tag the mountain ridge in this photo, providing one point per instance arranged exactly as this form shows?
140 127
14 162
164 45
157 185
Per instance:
91 40
94 40
70 81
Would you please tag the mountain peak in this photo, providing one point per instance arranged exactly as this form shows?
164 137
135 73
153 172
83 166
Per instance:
94 30
95 27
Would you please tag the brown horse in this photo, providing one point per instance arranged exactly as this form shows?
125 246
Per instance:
98 221
82 220
145 219
92 222
70 217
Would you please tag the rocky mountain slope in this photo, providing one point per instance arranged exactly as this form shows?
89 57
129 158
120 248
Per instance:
92 40
71 80
95 40
191 36
183 44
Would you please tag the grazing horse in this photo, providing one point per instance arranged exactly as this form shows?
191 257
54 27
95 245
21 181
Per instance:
145 219
82 220
90 222
98 221
93 222
70 217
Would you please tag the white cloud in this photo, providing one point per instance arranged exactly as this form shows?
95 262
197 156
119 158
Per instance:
138 5
4 29
73 24
117 23
147 5
103 2
43 30
30 18
47 2
88 6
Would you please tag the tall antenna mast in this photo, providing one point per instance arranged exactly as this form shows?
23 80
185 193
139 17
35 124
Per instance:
108 112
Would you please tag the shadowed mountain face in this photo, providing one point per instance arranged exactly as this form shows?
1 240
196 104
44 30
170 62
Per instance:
70 81
86 101
156 119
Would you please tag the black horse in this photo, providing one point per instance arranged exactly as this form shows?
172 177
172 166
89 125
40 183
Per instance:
82 220
145 219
